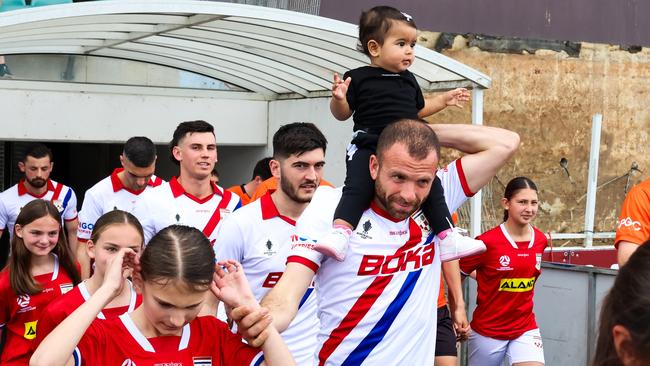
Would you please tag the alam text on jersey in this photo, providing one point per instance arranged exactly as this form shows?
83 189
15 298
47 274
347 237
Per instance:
517 284
411 260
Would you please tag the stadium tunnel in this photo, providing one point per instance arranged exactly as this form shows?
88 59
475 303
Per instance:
87 76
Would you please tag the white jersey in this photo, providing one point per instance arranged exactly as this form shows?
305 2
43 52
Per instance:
13 199
260 239
169 204
107 195
375 308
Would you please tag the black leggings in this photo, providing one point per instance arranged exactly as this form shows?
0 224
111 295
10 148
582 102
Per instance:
359 188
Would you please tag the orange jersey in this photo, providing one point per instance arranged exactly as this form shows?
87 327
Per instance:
239 190
271 184
634 220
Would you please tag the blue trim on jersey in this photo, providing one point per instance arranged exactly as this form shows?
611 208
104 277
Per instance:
237 207
259 361
361 352
77 357
66 199
305 296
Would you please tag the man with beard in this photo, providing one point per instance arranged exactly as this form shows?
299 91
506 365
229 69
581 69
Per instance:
36 165
259 234
191 198
378 306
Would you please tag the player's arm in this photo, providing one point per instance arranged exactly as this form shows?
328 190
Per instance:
339 104
625 250
488 149
71 232
283 300
451 272
57 348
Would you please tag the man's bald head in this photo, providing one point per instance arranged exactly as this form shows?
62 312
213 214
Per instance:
416 135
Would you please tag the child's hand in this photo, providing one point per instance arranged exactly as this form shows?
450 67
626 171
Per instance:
120 268
340 87
456 96
231 286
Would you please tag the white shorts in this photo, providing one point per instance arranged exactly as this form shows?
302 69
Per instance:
486 351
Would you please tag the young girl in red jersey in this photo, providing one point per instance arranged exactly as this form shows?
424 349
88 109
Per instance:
503 323
113 231
40 269
173 275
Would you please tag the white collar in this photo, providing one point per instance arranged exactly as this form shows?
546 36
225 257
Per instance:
86 296
512 242
144 342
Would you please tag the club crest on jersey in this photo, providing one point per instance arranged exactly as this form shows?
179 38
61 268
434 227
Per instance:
202 361
270 248
65 287
538 261
422 222
58 204
30 330
504 261
365 228
128 362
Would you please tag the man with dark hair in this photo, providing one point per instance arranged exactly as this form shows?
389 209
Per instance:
122 190
36 165
259 235
261 172
377 304
190 198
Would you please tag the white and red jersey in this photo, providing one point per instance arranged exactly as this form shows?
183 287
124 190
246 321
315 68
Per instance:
20 315
259 237
378 306
204 341
506 274
169 204
60 308
107 195
13 199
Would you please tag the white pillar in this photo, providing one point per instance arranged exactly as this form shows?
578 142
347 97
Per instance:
592 180
476 201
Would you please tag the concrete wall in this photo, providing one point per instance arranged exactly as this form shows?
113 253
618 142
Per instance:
549 99
46 111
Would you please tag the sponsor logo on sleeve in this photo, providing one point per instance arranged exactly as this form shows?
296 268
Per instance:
538 261
30 330
629 223
517 284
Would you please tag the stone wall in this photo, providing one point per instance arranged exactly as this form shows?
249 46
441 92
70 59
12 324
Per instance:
549 99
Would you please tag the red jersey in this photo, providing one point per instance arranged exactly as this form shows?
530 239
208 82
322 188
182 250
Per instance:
506 275
19 315
204 341
60 308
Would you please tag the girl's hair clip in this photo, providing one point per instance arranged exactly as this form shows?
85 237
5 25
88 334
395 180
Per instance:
408 17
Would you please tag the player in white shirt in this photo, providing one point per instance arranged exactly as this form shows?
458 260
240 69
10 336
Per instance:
259 235
36 165
119 191
378 306
191 198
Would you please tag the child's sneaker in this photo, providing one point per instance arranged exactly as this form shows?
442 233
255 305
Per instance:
455 245
335 244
